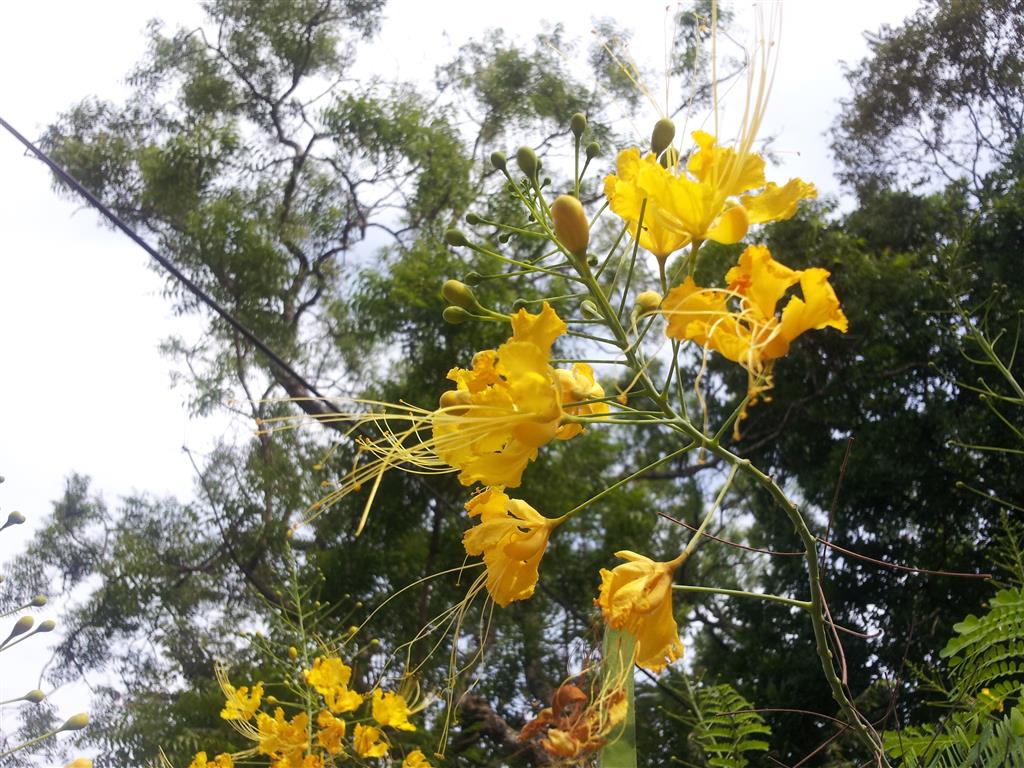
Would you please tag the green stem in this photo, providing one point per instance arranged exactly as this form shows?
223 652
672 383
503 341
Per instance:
805 604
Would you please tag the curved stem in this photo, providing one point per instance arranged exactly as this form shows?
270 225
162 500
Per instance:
805 604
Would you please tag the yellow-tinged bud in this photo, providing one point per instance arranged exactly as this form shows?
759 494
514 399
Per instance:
456 315
473 278
81 762
578 124
663 135
75 722
648 301
589 309
271 699
34 696
38 601
499 161
593 150
15 518
669 158
455 238
527 160
571 225
453 398
46 626
21 626
293 652
459 295
473 219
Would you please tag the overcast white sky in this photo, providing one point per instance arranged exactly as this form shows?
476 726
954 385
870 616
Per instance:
83 387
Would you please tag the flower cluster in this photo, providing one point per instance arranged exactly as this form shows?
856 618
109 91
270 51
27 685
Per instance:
318 735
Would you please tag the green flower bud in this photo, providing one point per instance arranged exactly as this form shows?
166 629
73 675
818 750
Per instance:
504 237
528 162
15 518
499 161
473 278
669 158
578 124
589 309
21 626
593 150
662 136
38 601
46 626
546 181
456 315
571 224
293 652
472 219
75 722
459 295
455 238
648 301
34 697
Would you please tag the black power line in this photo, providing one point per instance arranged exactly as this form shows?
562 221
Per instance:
198 292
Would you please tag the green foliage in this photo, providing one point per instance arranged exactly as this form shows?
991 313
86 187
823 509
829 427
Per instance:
988 652
727 739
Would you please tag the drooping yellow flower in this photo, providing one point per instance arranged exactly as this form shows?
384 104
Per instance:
369 741
282 739
330 677
712 202
416 759
578 385
223 760
505 407
637 597
391 709
752 334
240 704
512 537
331 732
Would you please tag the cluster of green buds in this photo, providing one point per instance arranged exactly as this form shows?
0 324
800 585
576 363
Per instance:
24 628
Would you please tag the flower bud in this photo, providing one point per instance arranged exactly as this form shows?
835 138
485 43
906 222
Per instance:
81 762
499 161
293 652
528 162
473 278
38 601
589 309
455 238
662 136
571 225
459 295
75 722
454 398
456 315
34 696
578 124
504 237
593 150
46 626
15 518
648 301
669 158
472 219
21 626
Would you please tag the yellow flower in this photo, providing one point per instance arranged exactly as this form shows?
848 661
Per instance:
391 709
240 704
84 762
506 407
753 335
574 724
331 732
576 386
637 597
369 741
708 204
415 759
512 537
280 738
223 760
330 677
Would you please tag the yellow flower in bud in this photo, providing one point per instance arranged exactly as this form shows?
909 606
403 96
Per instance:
84 762
330 677
512 537
572 228
240 704
391 709
331 733
416 759
637 597
711 200
369 741
280 738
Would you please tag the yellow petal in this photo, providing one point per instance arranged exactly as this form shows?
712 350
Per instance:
761 279
777 203
541 329
818 309
731 226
